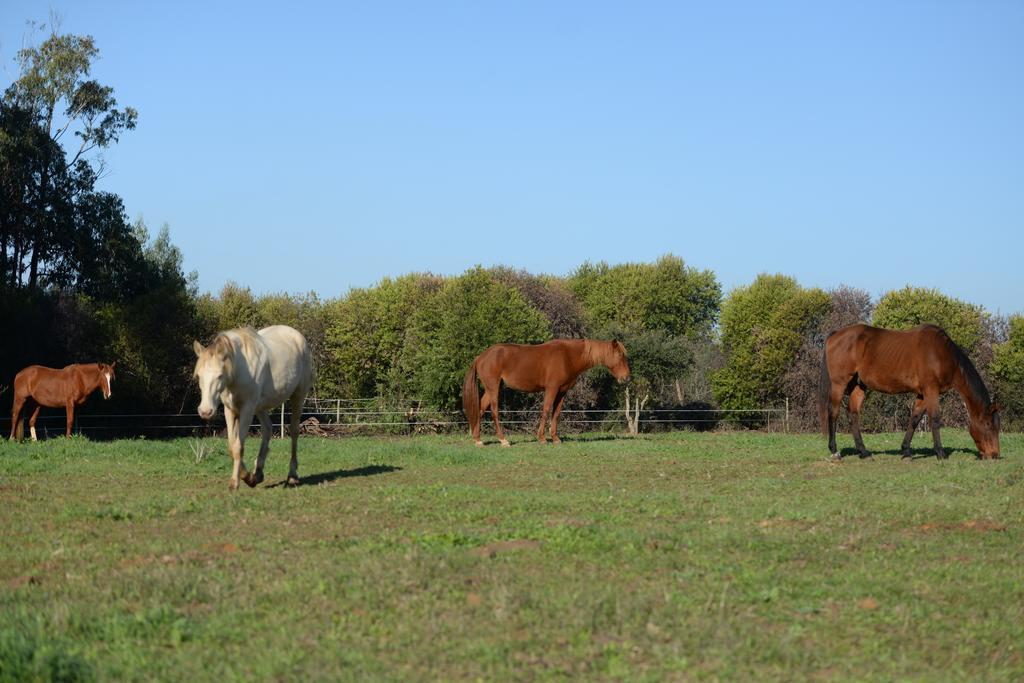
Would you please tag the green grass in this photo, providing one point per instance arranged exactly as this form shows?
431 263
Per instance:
731 556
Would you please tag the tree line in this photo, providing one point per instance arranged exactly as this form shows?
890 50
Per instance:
80 282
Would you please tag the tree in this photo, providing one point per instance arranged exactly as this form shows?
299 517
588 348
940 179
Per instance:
468 314
656 358
550 296
1007 370
905 308
366 337
847 306
762 327
666 295
54 93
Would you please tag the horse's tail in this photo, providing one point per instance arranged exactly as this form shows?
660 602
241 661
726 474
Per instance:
471 398
17 407
17 426
824 392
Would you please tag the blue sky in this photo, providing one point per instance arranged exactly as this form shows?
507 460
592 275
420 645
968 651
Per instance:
308 146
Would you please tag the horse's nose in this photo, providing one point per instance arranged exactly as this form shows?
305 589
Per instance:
205 413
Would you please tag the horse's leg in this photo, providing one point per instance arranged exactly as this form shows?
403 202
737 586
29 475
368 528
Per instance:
238 429
493 391
71 417
293 425
559 401
266 430
549 402
32 421
916 413
856 401
834 401
17 428
935 419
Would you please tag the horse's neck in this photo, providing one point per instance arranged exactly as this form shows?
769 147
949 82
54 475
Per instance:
242 384
90 375
593 354
975 405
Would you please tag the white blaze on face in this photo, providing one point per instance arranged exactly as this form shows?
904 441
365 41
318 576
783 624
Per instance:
210 376
110 391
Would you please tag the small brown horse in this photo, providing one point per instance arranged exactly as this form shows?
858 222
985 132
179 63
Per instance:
552 367
923 361
53 388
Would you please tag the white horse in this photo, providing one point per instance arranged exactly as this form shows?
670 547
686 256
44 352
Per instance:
252 372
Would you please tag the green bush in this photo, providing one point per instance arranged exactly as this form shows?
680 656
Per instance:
468 314
762 328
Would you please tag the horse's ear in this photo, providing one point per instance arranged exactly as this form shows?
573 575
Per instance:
112 365
198 348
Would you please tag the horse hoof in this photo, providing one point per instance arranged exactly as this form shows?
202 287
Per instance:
233 485
556 440
478 444
866 456
293 481
505 443
835 457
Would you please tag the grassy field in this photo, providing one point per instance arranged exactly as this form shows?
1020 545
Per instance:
724 556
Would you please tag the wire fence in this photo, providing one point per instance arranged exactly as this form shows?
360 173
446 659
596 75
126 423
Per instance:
338 417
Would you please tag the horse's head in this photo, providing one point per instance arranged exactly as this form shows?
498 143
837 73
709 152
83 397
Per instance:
617 361
214 365
107 378
985 431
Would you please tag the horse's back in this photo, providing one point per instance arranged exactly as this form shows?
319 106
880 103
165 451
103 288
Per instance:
530 367
48 386
290 359
893 361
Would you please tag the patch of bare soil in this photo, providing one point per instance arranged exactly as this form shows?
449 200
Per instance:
498 547
966 525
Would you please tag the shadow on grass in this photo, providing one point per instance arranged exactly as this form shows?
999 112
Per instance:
577 438
324 477
585 438
916 453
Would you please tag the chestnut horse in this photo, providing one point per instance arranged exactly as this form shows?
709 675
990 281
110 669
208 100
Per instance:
923 361
66 388
552 367
251 373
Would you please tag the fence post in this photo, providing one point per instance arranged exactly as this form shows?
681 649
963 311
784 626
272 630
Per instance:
787 414
282 420
337 411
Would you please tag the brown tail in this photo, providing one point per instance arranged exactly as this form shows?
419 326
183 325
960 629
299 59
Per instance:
471 398
824 394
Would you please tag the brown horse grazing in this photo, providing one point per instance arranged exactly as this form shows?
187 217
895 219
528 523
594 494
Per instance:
52 388
551 367
923 361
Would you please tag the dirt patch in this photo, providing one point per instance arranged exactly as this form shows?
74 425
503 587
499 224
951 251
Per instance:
967 525
779 523
493 549
207 552
867 604
26 580
573 522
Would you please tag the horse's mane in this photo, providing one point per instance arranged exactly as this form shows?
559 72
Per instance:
598 351
974 381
